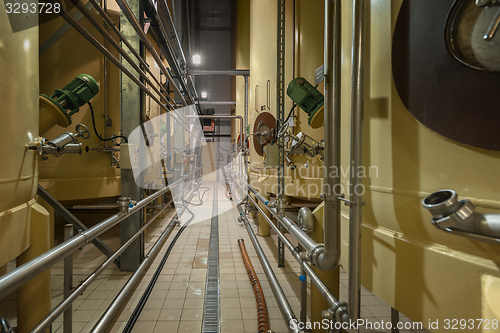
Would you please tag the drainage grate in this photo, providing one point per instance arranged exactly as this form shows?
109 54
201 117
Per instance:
212 292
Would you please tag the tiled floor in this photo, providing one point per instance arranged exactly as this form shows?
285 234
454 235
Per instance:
176 303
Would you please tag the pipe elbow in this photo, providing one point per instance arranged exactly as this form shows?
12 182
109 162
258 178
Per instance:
459 216
324 260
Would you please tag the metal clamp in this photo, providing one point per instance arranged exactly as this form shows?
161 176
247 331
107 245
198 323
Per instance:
124 204
351 203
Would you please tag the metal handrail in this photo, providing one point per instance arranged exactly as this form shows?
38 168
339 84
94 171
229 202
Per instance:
24 273
338 308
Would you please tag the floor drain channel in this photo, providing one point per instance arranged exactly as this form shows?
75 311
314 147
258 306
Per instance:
211 311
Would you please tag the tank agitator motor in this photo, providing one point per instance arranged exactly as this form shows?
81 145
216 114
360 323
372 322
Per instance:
309 99
63 103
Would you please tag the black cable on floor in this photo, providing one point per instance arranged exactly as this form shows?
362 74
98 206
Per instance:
144 298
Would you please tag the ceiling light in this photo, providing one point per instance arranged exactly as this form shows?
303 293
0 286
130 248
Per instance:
196 59
204 95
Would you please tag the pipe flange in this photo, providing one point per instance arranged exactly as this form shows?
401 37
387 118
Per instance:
123 203
316 253
465 211
342 313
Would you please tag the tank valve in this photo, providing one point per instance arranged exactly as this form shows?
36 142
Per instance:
66 143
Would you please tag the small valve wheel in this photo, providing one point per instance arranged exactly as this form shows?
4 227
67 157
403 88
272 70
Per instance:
82 131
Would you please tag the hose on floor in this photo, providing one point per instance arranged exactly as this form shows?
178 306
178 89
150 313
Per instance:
144 298
262 314
200 198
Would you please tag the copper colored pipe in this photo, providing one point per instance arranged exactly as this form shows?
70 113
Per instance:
262 315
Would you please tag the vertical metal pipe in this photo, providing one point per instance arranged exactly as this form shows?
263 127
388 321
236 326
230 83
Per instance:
331 211
357 91
303 294
394 320
68 281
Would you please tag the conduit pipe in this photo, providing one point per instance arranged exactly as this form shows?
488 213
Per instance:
355 199
330 257
85 33
138 29
338 309
262 314
315 249
24 273
81 7
114 307
285 307
113 27
460 217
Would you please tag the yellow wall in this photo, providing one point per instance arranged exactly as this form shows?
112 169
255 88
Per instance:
424 273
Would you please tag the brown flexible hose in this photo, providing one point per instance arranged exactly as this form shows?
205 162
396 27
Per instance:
262 314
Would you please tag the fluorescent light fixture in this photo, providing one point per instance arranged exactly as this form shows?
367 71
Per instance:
196 59
204 95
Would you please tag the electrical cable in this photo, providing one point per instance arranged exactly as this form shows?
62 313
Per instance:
283 124
95 130
144 298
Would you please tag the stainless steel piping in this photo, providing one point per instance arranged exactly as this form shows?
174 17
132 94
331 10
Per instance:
122 38
66 303
355 199
114 307
24 273
222 116
314 248
459 217
338 308
120 50
286 309
85 33
216 72
137 27
330 258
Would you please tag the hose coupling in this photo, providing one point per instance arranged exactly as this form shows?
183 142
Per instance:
124 204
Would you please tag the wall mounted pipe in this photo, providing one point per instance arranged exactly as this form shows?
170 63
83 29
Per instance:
137 27
330 258
162 24
84 32
120 50
122 38
460 217
339 309
286 309
216 72
114 307
315 249
24 273
356 203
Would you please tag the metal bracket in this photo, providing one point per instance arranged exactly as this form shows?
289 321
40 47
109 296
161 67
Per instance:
351 203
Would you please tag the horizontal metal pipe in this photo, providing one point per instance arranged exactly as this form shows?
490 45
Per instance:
231 72
114 307
314 248
323 289
138 29
24 273
217 102
66 303
223 116
285 307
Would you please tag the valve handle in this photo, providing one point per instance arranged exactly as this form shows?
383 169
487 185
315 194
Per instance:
82 131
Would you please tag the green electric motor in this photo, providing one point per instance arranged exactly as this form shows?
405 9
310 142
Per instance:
75 94
309 99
